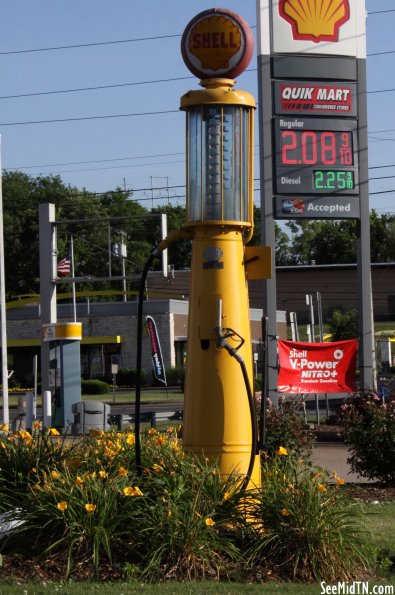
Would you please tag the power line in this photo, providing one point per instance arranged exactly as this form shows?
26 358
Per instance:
86 45
133 84
109 160
96 88
81 118
135 114
123 41
381 11
68 171
96 161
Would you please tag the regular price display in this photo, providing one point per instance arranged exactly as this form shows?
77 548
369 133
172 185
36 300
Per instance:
316 148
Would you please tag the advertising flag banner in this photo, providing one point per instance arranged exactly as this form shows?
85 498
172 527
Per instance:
157 360
317 367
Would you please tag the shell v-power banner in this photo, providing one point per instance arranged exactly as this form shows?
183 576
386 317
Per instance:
317 367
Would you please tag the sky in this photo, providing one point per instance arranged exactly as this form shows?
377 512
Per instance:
105 113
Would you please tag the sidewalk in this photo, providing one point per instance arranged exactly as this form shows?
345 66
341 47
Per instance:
332 456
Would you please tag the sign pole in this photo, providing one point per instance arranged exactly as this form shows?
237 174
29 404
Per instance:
4 364
313 135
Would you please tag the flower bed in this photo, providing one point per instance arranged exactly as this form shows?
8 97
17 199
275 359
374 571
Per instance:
84 504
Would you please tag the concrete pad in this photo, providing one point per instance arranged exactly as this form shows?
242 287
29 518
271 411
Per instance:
333 457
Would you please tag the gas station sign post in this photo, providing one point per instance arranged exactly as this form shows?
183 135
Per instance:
313 135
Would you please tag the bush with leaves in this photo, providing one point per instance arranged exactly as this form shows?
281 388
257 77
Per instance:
285 425
303 527
174 516
368 428
94 387
343 325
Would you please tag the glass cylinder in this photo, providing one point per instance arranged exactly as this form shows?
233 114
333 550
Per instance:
219 163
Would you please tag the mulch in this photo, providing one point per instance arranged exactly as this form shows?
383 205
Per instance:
370 492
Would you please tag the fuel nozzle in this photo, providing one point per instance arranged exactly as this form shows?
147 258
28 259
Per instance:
225 333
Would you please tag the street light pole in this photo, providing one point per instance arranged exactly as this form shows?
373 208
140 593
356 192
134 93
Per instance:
4 364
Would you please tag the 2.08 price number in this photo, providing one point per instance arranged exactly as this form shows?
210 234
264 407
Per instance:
316 147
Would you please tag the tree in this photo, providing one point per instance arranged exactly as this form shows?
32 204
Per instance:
21 197
325 242
282 240
343 325
382 237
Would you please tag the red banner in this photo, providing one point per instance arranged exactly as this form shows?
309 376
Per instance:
317 367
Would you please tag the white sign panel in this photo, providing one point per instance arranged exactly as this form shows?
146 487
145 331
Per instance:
323 27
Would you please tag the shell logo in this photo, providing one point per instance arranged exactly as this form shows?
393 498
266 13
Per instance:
315 20
217 43
214 41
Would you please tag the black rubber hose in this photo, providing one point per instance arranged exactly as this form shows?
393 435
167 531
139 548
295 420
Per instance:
254 437
137 405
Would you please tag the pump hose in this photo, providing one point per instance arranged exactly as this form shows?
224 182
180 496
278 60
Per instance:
172 237
254 437
137 405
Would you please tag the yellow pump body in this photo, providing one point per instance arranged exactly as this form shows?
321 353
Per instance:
217 411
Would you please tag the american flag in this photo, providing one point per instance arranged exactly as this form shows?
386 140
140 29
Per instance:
64 267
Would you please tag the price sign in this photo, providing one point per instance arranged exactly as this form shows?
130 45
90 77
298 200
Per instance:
316 156
316 147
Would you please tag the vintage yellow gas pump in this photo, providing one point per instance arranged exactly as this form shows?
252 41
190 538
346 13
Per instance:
219 410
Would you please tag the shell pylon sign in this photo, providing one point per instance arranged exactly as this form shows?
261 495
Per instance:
315 20
325 27
311 58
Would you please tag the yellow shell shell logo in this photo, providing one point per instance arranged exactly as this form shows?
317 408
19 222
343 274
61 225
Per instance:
214 41
315 20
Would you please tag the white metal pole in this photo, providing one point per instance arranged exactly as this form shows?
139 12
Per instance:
47 408
35 360
73 283
4 364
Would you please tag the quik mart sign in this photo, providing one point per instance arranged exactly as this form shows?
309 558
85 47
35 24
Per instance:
315 50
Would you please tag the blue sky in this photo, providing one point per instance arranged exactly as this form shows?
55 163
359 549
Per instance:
140 152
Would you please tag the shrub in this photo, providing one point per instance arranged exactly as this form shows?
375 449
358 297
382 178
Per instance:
305 528
175 376
22 453
93 513
258 382
285 425
94 387
343 325
368 428
127 377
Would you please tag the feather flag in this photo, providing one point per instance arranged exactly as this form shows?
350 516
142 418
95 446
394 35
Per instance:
156 351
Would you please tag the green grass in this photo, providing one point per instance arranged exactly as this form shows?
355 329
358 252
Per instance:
168 588
120 397
380 521
379 327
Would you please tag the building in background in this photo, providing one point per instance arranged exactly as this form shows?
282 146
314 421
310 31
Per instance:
109 329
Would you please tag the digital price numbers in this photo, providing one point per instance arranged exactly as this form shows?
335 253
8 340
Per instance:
328 179
316 156
316 147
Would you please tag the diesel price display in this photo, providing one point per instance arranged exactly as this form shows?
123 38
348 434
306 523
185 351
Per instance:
316 156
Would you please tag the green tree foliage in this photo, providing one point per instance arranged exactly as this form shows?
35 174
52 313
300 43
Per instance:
21 197
179 253
343 325
325 242
282 239
382 237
